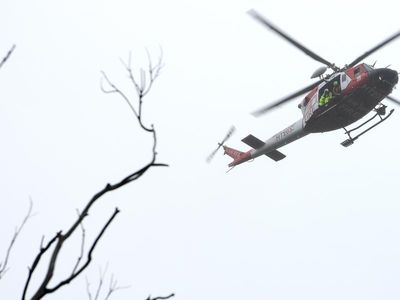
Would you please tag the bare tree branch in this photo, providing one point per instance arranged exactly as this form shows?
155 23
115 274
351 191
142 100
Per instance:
154 71
99 286
43 290
161 298
146 82
35 263
5 58
113 286
114 89
54 246
4 264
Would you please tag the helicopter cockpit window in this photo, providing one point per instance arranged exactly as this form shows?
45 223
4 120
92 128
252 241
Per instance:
345 81
336 86
333 87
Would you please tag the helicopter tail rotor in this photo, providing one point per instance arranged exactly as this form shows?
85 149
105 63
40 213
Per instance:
220 144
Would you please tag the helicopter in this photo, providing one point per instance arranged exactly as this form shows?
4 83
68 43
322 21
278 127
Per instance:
335 101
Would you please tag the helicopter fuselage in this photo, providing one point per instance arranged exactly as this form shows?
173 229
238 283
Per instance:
360 90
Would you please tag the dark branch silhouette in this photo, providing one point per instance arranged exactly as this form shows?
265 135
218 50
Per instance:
5 58
54 246
161 298
4 263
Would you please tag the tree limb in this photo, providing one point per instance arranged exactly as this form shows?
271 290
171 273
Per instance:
60 238
89 257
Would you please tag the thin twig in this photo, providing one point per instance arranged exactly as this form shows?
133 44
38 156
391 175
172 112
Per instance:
101 279
128 67
88 289
113 286
82 245
114 89
153 71
5 58
4 264
141 90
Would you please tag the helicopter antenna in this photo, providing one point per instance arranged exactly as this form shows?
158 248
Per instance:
220 144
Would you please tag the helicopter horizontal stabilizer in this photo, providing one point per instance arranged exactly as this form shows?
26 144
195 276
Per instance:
256 143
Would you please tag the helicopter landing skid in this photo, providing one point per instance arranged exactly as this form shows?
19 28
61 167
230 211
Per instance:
380 112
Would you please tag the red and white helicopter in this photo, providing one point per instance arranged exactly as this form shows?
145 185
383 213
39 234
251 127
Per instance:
359 89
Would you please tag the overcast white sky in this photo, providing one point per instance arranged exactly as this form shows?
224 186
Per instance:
321 224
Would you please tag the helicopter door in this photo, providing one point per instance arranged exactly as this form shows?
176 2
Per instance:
311 106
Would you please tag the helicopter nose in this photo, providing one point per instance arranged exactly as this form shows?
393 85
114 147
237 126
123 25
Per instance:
385 75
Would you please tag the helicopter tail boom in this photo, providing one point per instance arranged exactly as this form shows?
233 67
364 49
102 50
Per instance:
238 156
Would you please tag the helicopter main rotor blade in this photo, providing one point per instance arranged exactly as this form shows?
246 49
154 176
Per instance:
374 49
394 100
265 22
268 107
